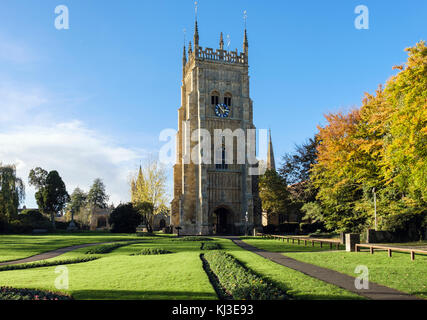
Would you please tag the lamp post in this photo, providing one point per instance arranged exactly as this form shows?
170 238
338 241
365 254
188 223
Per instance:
375 207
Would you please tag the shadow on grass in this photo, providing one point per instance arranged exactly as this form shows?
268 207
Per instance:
174 295
141 295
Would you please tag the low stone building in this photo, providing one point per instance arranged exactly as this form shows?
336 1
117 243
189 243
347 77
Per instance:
99 219
161 220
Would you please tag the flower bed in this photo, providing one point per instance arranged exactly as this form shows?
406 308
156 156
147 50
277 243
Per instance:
240 282
7 293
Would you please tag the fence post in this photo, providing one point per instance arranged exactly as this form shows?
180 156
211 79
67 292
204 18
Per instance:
351 239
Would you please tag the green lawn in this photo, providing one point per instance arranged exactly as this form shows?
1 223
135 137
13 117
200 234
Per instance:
117 275
179 275
398 272
297 284
14 247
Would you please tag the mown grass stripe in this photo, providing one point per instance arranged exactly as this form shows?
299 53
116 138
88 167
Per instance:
45 263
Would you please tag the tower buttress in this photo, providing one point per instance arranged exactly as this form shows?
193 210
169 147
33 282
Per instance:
245 43
221 42
196 36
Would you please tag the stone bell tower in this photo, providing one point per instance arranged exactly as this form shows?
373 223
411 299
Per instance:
216 197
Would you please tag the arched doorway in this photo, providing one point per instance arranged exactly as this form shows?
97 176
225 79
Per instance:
222 221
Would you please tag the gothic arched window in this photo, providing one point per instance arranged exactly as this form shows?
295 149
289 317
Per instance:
214 98
223 165
227 99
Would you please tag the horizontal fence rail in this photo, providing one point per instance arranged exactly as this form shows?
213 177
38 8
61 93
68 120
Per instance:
331 243
389 250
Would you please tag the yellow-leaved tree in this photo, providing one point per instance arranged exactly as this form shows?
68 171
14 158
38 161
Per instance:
148 191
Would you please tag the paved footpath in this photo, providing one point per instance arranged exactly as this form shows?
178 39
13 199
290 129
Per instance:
375 291
50 254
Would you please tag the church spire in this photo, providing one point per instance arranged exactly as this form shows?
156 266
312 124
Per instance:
245 40
184 59
271 165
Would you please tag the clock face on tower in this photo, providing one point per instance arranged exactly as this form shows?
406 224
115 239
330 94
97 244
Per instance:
222 110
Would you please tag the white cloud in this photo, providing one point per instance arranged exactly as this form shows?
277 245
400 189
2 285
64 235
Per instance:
79 155
31 137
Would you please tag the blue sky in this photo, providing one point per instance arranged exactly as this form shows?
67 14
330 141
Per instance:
91 101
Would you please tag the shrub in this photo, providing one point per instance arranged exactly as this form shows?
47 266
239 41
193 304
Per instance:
307 228
238 281
107 248
7 293
151 251
193 238
124 219
17 226
408 225
210 246
61 225
269 229
289 227
45 263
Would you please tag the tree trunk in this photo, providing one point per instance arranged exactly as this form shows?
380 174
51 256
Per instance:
52 218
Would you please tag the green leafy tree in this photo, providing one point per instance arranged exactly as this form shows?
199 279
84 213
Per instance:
12 193
296 170
77 202
273 193
97 196
146 211
381 145
51 195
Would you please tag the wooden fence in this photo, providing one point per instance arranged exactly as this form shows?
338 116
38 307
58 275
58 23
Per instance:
389 250
331 243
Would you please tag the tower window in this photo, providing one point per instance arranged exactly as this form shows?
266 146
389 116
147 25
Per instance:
215 98
222 165
227 99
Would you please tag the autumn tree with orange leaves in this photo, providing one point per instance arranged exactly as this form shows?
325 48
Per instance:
381 145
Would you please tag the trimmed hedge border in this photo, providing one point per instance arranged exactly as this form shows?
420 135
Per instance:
220 291
193 238
240 282
46 263
107 248
151 251
7 293
210 246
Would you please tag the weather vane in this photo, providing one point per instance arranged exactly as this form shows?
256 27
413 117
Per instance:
245 16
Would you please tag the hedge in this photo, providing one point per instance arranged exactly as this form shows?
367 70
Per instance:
240 282
210 246
107 248
193 238
151 251
45 263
